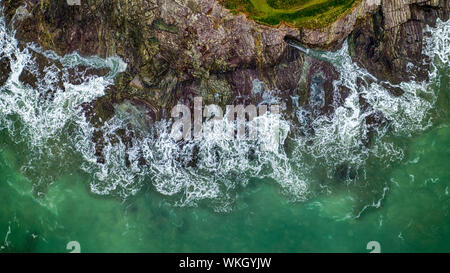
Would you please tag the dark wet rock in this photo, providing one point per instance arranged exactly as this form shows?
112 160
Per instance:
99 111
5 70
179 49
198 39
99 141
322 95
394 90
174 49
78 74
315 91
28 78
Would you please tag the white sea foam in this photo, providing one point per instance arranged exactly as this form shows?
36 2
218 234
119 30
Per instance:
222 165
437 45
338 139
44 118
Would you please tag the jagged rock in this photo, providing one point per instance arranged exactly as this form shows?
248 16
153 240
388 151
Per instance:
178 49
28 78
390 41
5 70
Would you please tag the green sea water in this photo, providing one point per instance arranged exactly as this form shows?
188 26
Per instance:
52 193
414 217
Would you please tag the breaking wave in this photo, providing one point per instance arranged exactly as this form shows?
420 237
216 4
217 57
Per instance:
213 168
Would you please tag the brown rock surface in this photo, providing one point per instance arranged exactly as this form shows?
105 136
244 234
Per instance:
388 40
177 49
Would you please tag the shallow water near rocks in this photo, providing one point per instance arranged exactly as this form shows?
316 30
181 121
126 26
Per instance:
54 191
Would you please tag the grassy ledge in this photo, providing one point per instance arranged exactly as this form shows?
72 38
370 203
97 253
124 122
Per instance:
297 13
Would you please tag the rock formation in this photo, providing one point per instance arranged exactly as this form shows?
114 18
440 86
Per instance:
177 49
389 42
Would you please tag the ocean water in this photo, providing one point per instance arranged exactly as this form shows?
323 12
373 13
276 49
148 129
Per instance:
321 192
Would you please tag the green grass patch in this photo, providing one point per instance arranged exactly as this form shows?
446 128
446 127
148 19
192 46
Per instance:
287 4
299 13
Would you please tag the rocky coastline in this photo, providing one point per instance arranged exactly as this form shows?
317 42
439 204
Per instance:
179 49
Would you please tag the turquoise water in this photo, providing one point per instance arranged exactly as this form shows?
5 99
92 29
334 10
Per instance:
413 217
53 191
